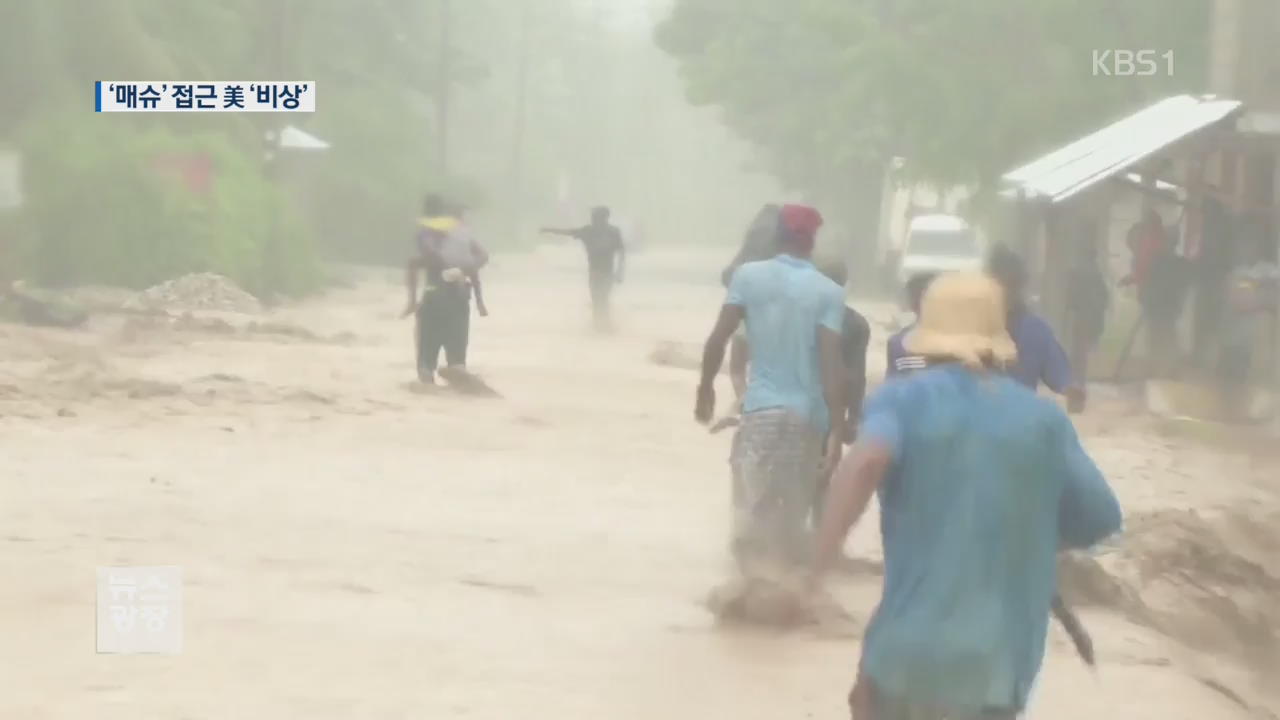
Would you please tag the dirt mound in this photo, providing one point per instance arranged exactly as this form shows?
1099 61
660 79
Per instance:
1209 580
151 325
197 291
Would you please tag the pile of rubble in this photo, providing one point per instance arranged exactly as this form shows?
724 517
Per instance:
197 291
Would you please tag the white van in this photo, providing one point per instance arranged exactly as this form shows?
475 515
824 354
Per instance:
939 243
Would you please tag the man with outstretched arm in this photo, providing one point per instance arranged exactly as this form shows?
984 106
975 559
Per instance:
606 261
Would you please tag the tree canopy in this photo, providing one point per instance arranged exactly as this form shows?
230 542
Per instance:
555 105
963 90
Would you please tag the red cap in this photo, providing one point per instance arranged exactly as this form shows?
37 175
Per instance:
801 221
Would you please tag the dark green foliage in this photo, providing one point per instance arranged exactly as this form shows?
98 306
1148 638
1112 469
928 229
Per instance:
100 212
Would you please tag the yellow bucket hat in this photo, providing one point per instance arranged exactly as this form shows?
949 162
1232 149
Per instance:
962 317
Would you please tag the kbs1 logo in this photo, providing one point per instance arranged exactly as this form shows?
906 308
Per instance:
1132 63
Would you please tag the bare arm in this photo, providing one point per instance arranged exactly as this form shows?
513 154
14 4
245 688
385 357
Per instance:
561 231
411 270
855 481
856 371
739 357
834 376
713 359
713 353
1088 511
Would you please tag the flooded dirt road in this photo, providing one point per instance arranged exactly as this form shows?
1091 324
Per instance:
356 548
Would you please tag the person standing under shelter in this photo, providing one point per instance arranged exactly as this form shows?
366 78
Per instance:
1249 315
1158 275
981 483
606 261
793 413
1088 297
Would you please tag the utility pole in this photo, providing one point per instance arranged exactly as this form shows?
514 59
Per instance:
518 131
598 102
444 82
276 21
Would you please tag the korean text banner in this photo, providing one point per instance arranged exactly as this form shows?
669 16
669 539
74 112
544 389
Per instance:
199 96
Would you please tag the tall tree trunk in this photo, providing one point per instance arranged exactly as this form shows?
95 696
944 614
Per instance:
516 203
444 87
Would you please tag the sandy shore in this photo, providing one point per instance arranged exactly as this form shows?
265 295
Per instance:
355 548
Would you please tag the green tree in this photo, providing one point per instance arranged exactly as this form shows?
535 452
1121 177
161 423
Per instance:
828 90
542 91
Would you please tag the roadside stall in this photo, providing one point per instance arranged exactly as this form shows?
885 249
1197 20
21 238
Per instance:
1185 170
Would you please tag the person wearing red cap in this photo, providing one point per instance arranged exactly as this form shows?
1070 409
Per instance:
792 425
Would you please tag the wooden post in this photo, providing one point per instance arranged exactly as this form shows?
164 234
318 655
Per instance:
1275 324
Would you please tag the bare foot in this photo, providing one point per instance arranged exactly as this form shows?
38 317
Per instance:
455 374
725 423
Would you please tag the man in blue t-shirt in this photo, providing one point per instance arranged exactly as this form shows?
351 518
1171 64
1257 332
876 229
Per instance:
792 422
981 483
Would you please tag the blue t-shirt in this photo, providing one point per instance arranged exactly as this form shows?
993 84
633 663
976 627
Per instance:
900 361
786 300
988 482
1040 355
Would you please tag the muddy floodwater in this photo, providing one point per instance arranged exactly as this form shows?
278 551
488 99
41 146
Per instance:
355 547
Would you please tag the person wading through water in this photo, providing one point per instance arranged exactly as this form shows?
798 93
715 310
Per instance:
443 312
1040 358
793 411
606 262
900 363
760 242
898 360
981 482
854 338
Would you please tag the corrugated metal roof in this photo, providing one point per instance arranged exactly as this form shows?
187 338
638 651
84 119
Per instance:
1067 171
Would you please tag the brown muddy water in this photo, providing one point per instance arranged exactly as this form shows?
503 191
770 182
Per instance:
354 547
